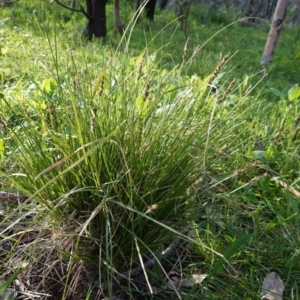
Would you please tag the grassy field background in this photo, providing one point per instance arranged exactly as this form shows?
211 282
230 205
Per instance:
122 144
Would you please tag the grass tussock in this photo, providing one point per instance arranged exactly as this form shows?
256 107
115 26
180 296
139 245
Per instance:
113 156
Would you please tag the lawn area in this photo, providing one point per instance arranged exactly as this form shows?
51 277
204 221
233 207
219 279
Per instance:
146 166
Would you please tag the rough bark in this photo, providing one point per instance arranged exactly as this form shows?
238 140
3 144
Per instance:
274 33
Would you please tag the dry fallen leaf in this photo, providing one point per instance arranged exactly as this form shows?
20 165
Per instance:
272 288
196 279
175 279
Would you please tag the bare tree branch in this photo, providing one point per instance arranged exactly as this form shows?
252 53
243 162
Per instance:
7 2
73 9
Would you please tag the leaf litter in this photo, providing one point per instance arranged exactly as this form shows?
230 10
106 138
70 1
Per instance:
272 287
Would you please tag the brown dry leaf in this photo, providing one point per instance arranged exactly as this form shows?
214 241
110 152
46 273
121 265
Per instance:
272 288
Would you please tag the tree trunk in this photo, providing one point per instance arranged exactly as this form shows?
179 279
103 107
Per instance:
274 31
73 4
296 13
250 11
149 7
119 26
270 8
96 25
258 9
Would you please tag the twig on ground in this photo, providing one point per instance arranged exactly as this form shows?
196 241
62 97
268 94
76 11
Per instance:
149 263
12 196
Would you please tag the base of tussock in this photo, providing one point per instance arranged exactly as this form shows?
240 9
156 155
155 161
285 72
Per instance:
43 259
48 273
58 264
